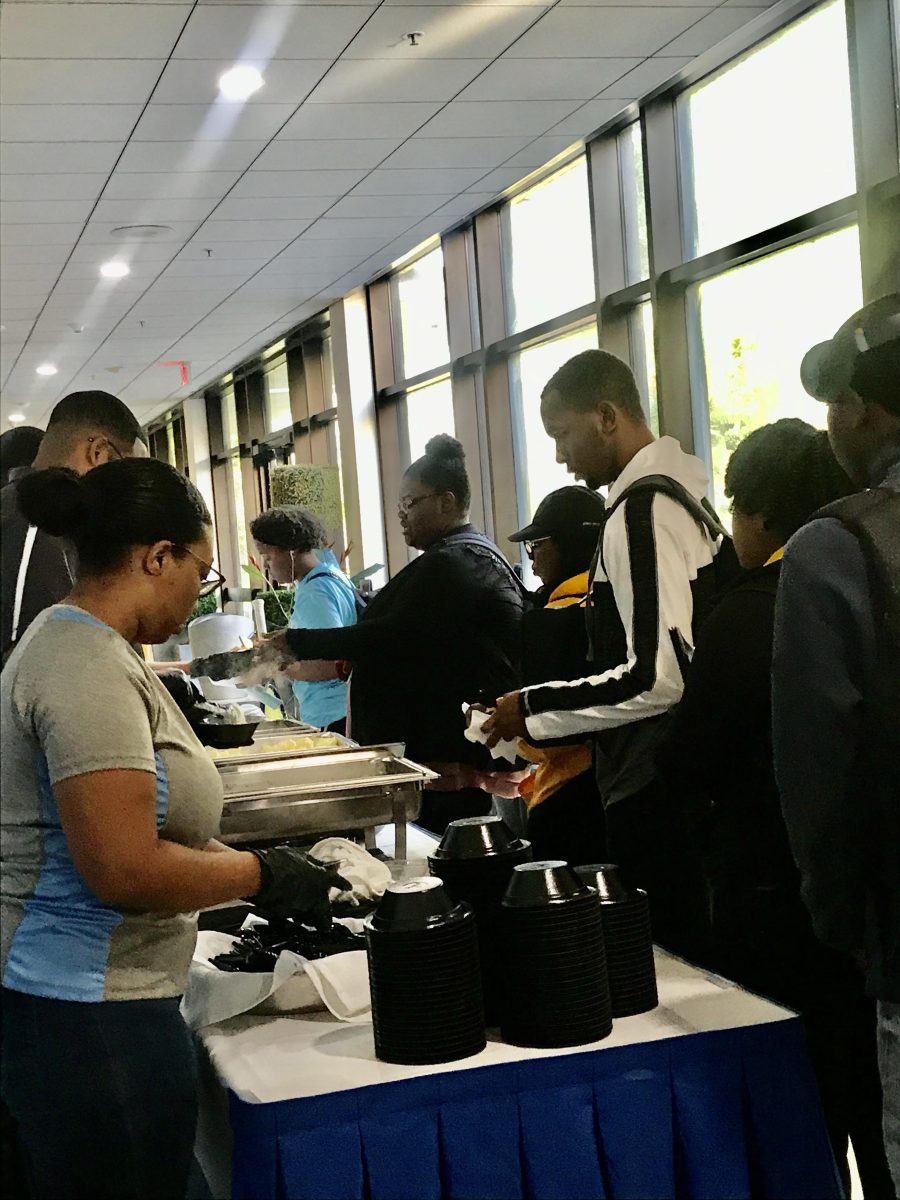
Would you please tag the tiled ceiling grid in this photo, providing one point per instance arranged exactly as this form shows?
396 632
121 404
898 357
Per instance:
358 147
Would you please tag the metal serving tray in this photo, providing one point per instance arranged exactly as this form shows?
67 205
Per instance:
263 748
321 792
283 728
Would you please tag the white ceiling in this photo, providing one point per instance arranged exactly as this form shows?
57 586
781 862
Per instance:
357 148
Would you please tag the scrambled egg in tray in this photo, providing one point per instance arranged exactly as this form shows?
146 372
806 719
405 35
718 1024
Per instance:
288 745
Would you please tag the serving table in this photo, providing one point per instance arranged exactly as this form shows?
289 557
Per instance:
711 1095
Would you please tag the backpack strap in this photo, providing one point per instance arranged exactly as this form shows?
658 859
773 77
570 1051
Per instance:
701 510
474 538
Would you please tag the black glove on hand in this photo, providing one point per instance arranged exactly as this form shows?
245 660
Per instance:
295 885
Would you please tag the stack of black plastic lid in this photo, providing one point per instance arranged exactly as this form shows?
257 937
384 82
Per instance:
475 860
554 968
629 942
424 977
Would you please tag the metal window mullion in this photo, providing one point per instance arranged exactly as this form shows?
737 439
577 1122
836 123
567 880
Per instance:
664 231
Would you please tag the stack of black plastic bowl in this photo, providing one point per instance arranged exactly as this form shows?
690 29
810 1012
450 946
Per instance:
423 973
554 968
475 860
629 942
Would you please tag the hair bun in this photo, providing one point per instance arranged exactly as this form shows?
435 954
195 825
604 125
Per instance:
444 448
56 501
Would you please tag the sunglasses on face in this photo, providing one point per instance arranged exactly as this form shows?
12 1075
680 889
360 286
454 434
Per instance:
407 503
530 545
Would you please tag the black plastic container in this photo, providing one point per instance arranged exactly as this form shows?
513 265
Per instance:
475 861
629 942
424 975
553 964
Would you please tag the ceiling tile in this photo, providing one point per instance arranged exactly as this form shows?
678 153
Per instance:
346 154
714 27
38 274
261 32
255 250
182 157
64 234
136 252
551 79
385 206
427 181
287 184
210 123
448 31
540 151
377 82
73 122
50 187
501 118
338 229
209 269
589 117
245 230
193 185
154 212
299 208
38 252
60 158
499 180
327 121
96 31
286 82
317 249
600 31
461 206
26 212
644 78
78 81
485 152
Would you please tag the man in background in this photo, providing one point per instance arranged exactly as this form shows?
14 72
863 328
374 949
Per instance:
836 678
85 430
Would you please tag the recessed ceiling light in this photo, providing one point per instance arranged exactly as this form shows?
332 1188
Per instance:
46 369
115 270
140 232
16 418
240 82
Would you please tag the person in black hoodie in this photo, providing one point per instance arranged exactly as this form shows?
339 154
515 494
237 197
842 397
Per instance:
717 756
443 632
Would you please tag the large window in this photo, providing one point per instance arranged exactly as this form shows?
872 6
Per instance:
429 411
536 466
548 247
643 357
631 167
278 397
422 316
771 136
757 321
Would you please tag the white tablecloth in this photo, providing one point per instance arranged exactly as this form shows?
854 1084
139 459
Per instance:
268 1059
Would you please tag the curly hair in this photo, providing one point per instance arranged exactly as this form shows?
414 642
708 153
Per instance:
596 377
783 473
289 528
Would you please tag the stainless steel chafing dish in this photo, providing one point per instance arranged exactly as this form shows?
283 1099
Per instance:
346 789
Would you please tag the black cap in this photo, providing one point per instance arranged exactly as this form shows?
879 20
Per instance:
565 511
828 369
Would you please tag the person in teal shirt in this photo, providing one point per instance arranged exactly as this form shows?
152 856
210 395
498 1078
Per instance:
292 546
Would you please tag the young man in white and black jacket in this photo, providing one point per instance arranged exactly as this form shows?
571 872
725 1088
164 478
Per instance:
655 572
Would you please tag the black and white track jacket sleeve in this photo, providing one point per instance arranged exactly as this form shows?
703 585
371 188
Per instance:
652 551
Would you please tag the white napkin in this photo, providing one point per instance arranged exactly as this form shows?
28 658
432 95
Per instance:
368 876
339 983
508 750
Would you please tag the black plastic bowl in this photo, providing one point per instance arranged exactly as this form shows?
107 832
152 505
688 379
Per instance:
416 904
606 879
477 837
224 737
534 885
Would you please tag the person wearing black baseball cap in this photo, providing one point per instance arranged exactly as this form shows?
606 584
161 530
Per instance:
565 812
836 677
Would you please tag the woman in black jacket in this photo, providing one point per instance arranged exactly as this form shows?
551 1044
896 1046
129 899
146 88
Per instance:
717 759
443 632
